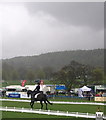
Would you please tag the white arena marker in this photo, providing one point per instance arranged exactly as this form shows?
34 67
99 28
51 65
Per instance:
99 115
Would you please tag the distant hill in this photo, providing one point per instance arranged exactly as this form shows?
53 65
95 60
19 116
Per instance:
57 60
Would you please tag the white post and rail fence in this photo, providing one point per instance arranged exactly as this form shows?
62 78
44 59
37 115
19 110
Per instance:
97 116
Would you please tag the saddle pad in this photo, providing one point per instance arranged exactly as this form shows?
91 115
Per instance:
37 95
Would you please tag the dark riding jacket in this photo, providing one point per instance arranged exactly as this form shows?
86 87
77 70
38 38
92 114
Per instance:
37 88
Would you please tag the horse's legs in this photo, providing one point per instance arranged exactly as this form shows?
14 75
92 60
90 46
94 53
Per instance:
31 104
46 104
41 104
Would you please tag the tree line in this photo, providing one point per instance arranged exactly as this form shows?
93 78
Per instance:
10 73
76 75
72 75
57 60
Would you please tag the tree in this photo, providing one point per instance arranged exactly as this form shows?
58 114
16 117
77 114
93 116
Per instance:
15 75
66 76
30 75
86 74
70 74
40 74
97 76
48 72
6 71
22 73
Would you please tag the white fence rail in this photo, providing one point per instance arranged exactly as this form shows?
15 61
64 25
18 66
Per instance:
49 112
57 102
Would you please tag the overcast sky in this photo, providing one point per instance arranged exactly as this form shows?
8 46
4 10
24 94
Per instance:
34 28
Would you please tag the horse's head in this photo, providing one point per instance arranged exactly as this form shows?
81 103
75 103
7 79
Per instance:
29 92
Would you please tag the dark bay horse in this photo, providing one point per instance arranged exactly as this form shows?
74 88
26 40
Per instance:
40 97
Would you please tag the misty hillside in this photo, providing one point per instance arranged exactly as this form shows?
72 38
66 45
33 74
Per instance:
57 60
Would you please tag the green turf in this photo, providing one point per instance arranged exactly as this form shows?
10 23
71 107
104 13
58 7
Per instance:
60 107
63 99
27 115
58 99
36 116
70 99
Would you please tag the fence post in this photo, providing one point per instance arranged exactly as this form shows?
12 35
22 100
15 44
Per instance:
14 109
87 115
22 109
48 112
6 108
67 113
76 114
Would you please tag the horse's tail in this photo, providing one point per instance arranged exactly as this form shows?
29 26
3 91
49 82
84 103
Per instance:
49 102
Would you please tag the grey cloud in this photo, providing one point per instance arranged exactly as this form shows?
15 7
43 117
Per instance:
35 28
77 13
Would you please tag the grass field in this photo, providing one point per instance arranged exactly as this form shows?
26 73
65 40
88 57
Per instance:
62 99
55 107
60 107
37 116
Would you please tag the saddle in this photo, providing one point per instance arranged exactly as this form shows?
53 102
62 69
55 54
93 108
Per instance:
37 95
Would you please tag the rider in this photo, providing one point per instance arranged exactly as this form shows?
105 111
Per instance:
37 87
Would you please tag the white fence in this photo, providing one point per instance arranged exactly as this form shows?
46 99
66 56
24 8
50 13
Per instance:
48 112
51 112
57 102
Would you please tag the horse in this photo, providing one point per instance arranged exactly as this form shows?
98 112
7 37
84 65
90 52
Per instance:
40 97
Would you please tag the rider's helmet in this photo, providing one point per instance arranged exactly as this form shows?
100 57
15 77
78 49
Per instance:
38 83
